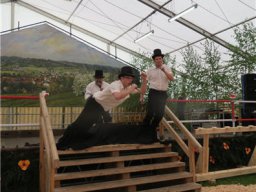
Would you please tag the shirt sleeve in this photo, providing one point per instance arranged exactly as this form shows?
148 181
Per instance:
167 68
88 92
115 87
105 85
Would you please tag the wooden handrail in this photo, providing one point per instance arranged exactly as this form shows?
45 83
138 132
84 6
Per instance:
203 165
180 125
49 132
215 130
189 149
176 136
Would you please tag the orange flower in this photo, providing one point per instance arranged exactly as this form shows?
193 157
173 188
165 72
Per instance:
212 160
225 146
24 164
247 150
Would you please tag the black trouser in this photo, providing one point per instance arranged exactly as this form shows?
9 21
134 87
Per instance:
155 108
106 117
91 114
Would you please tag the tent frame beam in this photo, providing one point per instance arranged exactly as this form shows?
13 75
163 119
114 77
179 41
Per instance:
76 27
186 23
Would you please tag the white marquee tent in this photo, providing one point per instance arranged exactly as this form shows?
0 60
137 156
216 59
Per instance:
114 25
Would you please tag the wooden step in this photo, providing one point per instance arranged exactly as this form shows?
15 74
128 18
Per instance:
116 171
177 188
124 182
117 159
115 147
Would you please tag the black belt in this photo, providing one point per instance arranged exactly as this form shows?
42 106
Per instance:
157 91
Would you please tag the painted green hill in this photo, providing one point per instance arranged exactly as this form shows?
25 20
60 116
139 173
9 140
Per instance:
48 43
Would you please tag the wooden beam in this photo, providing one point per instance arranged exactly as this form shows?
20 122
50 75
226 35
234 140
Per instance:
176 137
252 161
215 130
225 173
205 154
192 163
113 147
184 130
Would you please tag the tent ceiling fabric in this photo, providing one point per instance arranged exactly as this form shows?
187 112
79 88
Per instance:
123 21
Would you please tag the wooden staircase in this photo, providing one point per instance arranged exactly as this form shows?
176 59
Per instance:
125 167
115 168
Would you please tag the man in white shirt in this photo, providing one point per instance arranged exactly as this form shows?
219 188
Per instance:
98 85
158 78
113 95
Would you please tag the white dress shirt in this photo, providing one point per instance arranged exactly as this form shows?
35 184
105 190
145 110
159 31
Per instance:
157 79
92 88
106 99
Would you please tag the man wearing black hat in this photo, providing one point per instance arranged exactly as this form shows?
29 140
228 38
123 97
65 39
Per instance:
97 85
158 78
113 95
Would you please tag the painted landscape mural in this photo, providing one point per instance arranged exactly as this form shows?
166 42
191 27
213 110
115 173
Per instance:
44 58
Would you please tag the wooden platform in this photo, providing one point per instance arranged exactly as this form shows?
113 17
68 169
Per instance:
120 168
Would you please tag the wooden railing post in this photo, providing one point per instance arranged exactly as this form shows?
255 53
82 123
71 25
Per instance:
42 162
192 163
252 161
205 154
202 164
193 144
50 149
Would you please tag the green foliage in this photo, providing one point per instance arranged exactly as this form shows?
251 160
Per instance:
80 82
190 81
243 57
133 103
206 76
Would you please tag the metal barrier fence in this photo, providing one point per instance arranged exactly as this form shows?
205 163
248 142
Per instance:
27 118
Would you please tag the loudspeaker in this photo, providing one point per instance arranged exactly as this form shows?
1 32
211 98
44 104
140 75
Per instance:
249 112
249 86
249 94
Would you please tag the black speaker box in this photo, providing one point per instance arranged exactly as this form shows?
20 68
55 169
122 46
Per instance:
249 112
249 94
249 86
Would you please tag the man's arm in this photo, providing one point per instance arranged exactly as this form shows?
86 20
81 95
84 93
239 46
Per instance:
143 87
123 93
88 92
168 73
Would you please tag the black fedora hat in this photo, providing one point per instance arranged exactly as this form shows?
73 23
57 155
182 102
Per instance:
157 52
99 74
126 71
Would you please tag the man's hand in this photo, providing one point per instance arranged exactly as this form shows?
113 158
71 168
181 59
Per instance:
134 86
143 76
162 68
